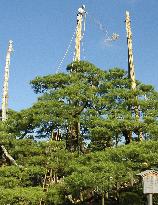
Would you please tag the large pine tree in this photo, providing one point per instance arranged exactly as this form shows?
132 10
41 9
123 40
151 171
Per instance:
90 109
87 103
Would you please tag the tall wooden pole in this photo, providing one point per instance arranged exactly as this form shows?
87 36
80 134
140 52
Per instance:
5 98
80 16
131 68
5 84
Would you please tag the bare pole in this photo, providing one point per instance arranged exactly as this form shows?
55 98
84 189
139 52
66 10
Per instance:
5 99
6 80
131 68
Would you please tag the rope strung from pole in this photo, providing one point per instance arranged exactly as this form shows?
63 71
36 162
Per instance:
108 37
83 34
82 44
99 24
67 51
83 50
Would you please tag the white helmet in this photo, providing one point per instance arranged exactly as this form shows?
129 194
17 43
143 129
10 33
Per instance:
83 6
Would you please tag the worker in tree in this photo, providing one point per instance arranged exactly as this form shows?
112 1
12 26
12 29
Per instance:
81 12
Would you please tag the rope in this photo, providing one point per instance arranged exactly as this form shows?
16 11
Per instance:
82 44
99 24
108 37
83 34
67 50
83 50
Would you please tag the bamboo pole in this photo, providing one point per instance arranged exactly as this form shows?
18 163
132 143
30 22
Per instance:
131 69
6 80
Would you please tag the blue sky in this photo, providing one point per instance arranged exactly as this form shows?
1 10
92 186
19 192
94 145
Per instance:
42 29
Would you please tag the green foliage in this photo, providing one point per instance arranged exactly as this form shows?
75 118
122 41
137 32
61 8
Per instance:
27 196
23 184
95 110
112 170
100 101
56 195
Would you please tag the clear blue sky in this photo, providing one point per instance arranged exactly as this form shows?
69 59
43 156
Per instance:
42 29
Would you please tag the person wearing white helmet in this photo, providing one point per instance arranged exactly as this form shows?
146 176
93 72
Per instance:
81 12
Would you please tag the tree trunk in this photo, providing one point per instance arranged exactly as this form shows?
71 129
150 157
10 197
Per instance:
103 198
81 196
117 139
73 139
128 136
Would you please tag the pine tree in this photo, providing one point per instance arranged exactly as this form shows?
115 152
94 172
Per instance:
90 108
88 104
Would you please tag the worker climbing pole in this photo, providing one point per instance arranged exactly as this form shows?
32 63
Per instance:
80 32
131 69
5 84
78 35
